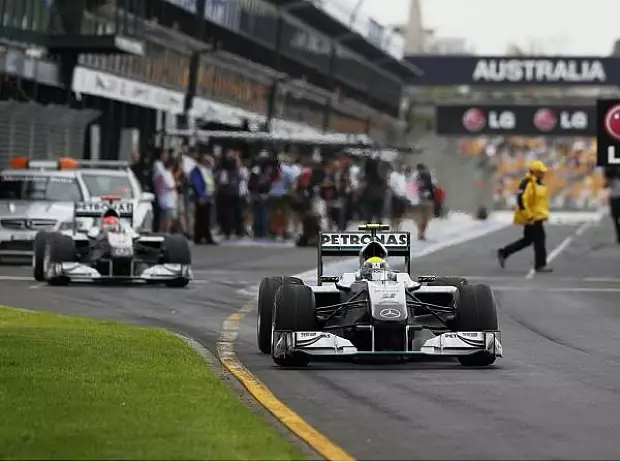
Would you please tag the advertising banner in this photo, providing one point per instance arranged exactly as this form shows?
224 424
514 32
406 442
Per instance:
535 120
502 70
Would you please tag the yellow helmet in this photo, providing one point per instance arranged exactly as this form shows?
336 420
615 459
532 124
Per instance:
538 166
375 269
375 262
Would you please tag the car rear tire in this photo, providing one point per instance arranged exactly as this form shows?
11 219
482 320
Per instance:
294 310
476 312
266 299
449 281
38 269
61 249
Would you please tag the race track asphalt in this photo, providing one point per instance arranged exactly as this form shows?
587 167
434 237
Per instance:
556 394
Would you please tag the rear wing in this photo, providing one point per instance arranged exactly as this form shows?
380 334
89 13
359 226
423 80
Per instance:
96 208
349 244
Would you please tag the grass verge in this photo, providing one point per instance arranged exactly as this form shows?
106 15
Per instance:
74 388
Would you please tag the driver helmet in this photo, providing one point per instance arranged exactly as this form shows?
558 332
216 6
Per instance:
111 224
375 269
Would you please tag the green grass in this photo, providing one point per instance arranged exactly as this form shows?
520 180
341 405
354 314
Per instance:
73 388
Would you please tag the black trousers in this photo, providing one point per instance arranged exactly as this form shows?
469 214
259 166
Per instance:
202 223
532 234
230 215
373 209
614 205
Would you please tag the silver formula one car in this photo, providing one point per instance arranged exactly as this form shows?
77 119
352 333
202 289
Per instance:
375 311
109 250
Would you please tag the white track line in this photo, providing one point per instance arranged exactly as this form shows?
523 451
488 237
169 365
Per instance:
608 280
555 289
563 245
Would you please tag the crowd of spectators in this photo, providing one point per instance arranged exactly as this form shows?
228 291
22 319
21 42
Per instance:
574 181
214 196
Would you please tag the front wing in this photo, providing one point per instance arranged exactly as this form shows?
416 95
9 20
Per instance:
326 345
79 272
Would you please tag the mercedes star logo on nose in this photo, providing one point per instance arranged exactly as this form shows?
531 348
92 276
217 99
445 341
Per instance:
390 313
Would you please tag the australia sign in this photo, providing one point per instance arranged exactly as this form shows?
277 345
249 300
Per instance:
490 70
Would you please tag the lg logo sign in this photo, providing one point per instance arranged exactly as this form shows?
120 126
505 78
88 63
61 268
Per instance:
475 120
546 120
612 129
526 120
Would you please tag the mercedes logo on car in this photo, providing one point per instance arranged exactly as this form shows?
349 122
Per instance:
545 120
390 313
474 120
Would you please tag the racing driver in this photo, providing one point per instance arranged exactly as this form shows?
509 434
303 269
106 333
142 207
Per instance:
375 269
111 224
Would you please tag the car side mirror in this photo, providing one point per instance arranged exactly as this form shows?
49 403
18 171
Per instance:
147 197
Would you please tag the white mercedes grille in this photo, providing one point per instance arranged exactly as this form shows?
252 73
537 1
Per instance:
27 224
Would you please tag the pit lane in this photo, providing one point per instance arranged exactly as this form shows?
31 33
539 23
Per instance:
555 395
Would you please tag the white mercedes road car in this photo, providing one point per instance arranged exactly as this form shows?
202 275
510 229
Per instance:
40 196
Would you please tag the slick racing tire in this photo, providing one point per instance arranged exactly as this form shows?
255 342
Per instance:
476 312
38 270
176 251
294 310
266 299
61 249
449 281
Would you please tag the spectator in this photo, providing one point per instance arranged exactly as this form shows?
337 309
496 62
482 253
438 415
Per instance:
398 196
182 189
279 200
294 204
244 197
141 171
188 161
259 185
426 194
228 206
166 190
203 188
373 191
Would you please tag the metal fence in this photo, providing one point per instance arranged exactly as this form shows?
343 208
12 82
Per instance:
42 132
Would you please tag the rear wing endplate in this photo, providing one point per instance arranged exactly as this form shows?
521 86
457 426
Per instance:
349 244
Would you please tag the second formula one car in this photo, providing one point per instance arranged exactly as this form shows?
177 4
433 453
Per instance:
376 311
110 250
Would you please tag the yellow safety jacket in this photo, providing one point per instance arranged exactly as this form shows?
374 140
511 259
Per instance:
532 201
